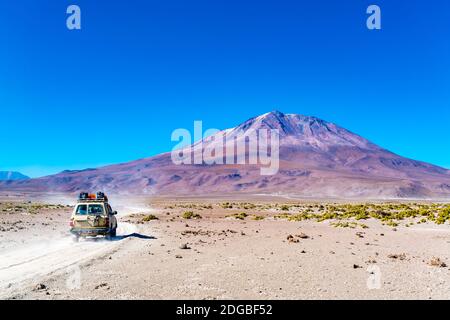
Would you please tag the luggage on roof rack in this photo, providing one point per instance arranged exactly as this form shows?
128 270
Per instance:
100 196
83 195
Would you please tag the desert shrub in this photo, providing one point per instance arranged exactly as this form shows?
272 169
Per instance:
391 223
191 215
239 216
349 224
283 216
226 205
443 215
149 217
257 218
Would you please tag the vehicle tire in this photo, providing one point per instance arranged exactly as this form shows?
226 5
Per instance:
111 234
76 238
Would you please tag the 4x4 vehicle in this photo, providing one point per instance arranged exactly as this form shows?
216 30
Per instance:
93 216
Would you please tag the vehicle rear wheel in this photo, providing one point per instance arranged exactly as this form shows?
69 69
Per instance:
76 238
111 234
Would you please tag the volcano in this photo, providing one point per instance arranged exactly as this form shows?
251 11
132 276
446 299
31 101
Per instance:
318 159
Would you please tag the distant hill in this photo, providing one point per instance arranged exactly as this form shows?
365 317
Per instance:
12 176
317 159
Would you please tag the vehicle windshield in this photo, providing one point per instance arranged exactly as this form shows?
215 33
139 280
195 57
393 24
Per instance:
95 209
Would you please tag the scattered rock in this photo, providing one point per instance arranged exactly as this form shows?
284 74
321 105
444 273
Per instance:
184 246
437 262
178 256
401 256
101 285
355 266
303 236
40 287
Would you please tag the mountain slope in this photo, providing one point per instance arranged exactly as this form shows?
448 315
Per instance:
12 176
317 159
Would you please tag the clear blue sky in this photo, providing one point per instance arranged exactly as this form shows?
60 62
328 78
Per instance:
140 69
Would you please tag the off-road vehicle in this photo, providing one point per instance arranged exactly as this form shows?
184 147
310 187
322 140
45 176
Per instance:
93 216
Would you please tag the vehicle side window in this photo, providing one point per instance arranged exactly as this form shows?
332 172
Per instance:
82 209
95 209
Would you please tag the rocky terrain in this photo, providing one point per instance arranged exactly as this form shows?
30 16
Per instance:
230 248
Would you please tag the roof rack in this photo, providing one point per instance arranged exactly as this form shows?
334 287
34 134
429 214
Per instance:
91 197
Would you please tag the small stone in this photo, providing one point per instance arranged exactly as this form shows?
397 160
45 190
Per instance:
40 287
401 256
291 239
101 285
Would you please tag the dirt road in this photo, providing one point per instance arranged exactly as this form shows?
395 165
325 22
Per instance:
29 260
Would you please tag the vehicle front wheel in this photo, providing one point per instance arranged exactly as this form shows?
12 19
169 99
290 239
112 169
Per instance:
76 238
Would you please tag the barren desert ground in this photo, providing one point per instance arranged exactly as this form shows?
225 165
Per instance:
231 248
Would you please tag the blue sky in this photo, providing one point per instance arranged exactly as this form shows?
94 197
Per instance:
140 69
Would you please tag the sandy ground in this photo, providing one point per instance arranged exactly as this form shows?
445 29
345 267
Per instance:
216 257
